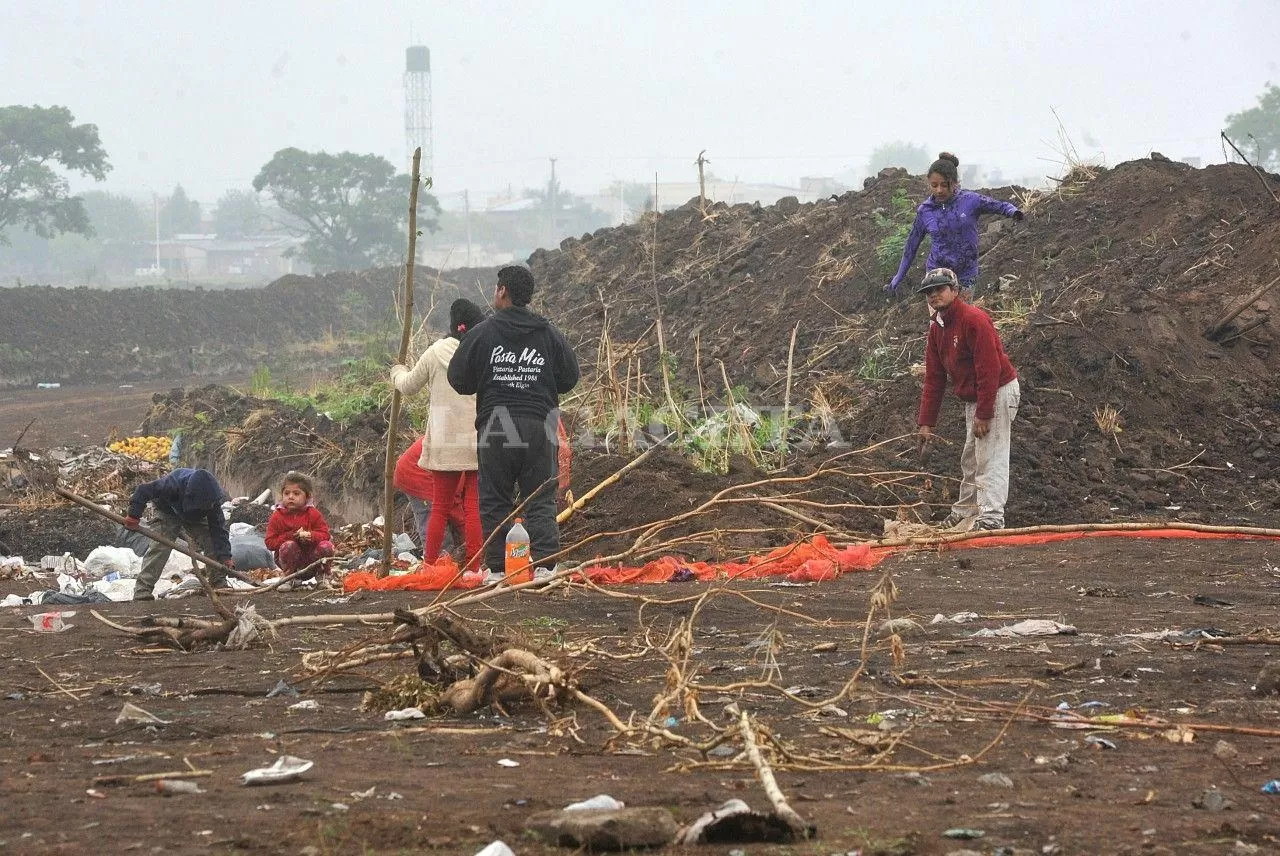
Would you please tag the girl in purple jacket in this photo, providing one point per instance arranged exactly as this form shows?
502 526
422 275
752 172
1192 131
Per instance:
950 218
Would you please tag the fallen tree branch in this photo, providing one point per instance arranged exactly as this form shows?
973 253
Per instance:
799 828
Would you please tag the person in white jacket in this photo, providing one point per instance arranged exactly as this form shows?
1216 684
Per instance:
449 452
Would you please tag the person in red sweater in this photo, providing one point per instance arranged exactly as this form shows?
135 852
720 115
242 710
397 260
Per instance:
963 348
418 485
297 532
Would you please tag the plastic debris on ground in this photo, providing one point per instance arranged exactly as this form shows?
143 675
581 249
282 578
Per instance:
957 618
1030 627
286 768
104 561
171 787
51 622
404 714
496 848
1272 787
598 801
134 714
308 704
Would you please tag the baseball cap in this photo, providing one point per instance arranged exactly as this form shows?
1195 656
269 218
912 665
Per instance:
937 277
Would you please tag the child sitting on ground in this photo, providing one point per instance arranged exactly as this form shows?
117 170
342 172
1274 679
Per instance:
297 532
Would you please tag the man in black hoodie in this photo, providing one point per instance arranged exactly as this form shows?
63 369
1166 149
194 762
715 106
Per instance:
517 364
188 503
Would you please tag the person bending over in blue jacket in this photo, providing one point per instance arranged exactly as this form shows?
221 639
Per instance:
187 503
950 218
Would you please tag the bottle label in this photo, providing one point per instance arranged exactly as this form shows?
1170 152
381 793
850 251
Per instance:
518 551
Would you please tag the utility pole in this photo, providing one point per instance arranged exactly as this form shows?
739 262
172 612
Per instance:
466 207
155 202
551 202
702 181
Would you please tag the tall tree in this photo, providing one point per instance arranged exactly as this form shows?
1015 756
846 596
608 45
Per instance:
911 157
353 206
179 213
1257 130
34 140
117 218
239 213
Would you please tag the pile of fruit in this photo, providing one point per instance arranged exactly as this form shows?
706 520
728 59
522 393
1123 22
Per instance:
147 448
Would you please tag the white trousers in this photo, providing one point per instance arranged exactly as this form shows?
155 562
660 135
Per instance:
984 463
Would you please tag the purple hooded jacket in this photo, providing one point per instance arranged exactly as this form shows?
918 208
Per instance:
953 228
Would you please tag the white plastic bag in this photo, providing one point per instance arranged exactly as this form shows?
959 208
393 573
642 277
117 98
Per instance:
112 560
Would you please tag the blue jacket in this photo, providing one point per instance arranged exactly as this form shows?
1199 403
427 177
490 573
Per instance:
193 496
952 227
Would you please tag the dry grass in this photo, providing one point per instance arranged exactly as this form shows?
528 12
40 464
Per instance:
1108 421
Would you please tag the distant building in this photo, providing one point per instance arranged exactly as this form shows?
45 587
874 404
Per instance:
673 194
209 257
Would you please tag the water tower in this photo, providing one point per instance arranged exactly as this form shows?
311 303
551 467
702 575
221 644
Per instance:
417 104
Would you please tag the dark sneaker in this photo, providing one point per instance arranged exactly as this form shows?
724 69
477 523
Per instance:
143 595
955 518
988 525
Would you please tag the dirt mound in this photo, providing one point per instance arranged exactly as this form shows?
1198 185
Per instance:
250 443
145 333
1102 296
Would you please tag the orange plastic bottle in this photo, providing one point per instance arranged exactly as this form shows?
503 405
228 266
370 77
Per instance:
519 566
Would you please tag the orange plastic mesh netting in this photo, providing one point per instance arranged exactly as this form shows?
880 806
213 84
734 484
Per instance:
817 560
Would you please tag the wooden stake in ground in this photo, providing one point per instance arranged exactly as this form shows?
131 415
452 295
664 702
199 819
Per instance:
591 494
1220 325
393 423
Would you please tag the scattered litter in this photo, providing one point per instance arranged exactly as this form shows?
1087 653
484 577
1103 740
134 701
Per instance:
282 689
308 704
15 600
598 801
1100 742
132 713
896 627
170 787
249 626
51 622
962 834
496 848
285 769
996 780
1272 787
403 714
507 762
824 647
957 618
1030 627
43 385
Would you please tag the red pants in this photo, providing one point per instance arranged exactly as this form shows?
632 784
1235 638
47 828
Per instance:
444 497
293 556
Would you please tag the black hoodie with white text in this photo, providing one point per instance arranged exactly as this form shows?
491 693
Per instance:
514 359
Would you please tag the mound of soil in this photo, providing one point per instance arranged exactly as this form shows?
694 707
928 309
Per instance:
146 333
1102 296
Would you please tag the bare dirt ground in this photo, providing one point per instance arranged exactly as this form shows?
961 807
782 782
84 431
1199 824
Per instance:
437 785
81 414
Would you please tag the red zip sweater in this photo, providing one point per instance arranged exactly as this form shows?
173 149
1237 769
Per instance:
963 346
284 524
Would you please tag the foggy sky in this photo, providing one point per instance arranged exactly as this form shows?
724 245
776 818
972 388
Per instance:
204 93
